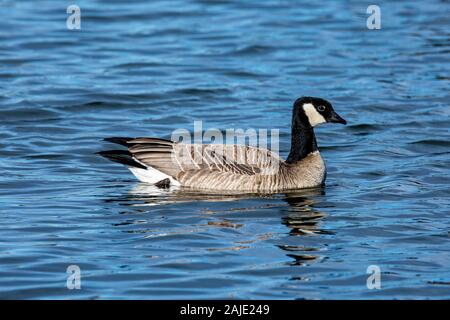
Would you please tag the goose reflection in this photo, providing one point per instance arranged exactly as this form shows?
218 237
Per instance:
303 220
300 215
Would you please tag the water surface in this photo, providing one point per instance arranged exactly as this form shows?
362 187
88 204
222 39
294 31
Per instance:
146 68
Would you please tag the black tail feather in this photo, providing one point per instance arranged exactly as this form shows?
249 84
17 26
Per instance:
121 156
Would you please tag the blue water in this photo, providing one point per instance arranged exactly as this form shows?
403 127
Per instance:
146 68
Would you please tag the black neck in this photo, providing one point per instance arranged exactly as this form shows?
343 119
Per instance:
303 140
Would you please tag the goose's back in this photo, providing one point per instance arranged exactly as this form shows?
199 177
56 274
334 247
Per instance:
268 176
227 167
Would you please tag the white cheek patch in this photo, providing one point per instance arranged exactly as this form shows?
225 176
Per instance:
313 115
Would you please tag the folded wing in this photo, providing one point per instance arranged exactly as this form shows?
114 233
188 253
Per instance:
174 158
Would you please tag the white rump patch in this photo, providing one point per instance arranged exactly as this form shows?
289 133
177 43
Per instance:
313 115
151 175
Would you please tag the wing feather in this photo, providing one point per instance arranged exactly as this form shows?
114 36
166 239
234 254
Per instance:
174 158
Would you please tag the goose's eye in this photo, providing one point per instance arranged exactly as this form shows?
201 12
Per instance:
321 108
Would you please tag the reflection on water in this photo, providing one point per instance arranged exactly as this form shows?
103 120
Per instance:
299 216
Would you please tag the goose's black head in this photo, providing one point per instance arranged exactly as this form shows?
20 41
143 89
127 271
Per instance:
310 112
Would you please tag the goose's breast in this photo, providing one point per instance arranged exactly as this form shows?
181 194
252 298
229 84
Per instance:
309 172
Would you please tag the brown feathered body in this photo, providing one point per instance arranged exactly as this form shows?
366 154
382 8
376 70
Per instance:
218 167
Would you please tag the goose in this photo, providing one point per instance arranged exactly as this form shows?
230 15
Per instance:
232 167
